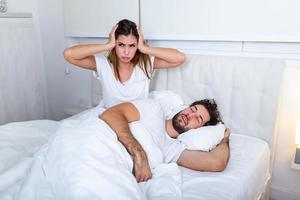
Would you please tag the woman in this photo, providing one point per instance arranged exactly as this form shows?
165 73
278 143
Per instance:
125 73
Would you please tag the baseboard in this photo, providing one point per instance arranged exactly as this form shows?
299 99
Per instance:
283 194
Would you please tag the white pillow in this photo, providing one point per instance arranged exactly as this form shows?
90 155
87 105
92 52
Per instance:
169 101
205 138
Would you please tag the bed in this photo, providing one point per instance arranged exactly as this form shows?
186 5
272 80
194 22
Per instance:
246 90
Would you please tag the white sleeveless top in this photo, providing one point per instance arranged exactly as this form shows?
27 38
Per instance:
114 91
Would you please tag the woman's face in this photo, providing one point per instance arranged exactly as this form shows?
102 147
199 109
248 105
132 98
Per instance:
126 47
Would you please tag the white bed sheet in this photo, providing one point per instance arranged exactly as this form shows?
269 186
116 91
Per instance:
243 179
19 142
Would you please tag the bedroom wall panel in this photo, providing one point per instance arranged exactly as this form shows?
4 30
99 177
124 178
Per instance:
94 18
221 20
230 20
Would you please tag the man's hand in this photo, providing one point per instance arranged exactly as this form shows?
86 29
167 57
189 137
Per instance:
141 168
226 136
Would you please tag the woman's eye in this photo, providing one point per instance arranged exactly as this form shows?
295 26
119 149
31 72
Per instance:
132 45
121 45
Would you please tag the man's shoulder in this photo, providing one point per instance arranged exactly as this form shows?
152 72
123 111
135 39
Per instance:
149 102
148 106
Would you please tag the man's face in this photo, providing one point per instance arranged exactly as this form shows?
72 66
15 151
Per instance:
190 118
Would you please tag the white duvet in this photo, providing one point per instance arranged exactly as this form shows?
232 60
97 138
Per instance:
84 160
36 164
18 144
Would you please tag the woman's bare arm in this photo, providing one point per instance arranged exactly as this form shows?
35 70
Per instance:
83 55
164 57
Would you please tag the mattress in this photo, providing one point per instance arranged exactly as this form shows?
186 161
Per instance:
244 178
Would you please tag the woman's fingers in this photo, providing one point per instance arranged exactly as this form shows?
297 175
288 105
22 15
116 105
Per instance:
112 39
141 36
141 43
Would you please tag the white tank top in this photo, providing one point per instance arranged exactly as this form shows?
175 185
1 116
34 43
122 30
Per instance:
114 91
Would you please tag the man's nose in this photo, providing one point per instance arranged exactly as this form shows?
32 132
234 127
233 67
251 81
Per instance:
191 115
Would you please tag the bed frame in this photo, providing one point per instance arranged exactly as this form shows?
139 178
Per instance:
246 90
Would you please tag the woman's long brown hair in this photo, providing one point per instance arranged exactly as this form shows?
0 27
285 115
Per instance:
127 27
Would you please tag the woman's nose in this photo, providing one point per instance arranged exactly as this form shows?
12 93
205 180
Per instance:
126 50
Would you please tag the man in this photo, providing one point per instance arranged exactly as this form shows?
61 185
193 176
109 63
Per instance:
149 113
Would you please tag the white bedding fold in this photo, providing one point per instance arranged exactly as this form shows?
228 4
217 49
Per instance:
165 183
19 142
84 160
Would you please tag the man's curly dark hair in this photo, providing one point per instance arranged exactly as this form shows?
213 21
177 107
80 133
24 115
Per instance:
212 108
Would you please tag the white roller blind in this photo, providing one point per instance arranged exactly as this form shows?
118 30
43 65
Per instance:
22 78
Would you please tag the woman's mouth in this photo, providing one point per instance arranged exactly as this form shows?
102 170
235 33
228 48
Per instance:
125 58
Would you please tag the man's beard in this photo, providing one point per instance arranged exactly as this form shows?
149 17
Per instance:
176 125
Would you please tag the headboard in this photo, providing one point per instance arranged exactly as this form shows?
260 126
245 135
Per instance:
246 89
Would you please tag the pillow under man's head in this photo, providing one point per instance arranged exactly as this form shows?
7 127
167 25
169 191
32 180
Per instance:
199 113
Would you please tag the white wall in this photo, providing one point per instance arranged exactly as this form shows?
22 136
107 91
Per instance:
231 20
68 86
52 34
73 89
285 180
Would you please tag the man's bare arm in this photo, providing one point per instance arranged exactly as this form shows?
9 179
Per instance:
214 161
118 117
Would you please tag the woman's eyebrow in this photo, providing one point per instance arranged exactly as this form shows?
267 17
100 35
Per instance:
126 44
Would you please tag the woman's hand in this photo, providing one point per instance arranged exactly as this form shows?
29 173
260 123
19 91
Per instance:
112 40
141 43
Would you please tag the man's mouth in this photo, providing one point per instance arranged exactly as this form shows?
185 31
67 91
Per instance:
184 119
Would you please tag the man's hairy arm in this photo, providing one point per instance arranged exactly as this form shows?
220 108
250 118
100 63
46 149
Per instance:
118 117
214 161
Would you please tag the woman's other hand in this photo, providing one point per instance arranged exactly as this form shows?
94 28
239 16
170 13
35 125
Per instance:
141 43
112 40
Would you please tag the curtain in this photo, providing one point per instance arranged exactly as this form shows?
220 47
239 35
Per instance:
22 79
